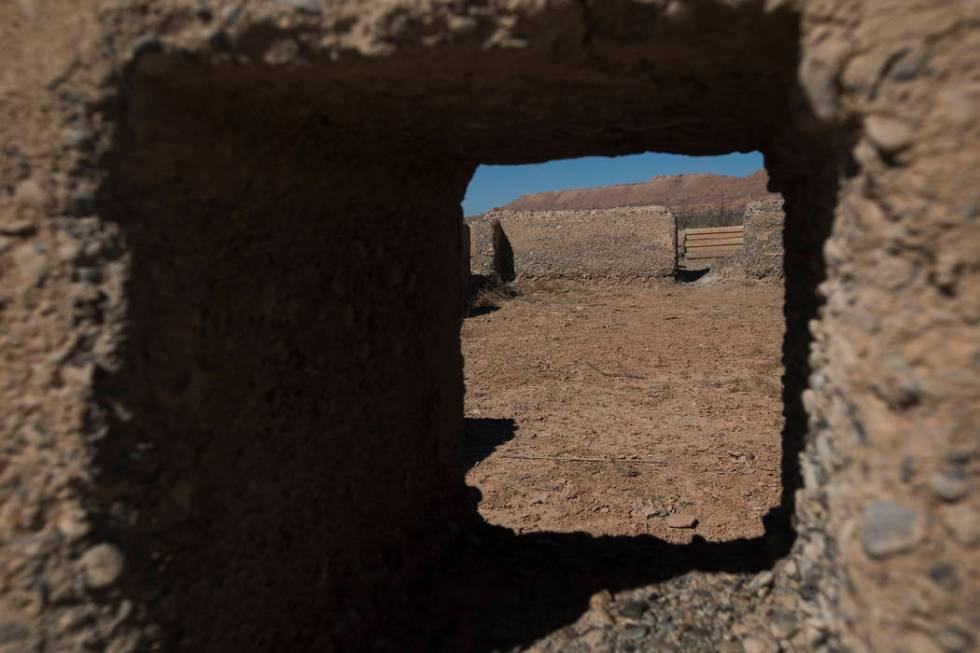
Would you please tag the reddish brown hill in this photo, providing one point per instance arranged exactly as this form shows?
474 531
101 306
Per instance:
683 194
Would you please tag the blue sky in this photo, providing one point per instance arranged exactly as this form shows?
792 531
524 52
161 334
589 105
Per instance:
494 186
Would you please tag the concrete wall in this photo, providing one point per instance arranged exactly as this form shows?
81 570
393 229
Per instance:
761 254
231 385
491 259
621 242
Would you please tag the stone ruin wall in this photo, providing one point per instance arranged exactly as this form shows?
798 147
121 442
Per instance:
230 303
489 256
626 242
761 254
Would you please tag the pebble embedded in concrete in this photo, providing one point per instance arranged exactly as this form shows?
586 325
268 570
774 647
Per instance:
102 565
963 522
949 486
888 134
889 529
760 642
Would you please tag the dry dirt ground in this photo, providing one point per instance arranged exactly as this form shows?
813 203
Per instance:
596 411
614 408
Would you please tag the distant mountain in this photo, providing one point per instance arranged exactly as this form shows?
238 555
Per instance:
685 195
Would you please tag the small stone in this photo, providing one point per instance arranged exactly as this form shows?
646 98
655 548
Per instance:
461 24
597 617
682 520
819 76
13 631
633 609
633 633
944 575
949 486
888 134
29 194
760 642
954 640
74 137
957 107
72 523
963 523
11 225
89 274
594 638
102 565
762 581
82 202
31 261
888 529
783 625
600 599
791 569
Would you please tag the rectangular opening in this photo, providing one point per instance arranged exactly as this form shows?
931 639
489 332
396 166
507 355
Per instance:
610 398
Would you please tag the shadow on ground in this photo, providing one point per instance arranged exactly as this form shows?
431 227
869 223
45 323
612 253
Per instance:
687 276
481 437
499 591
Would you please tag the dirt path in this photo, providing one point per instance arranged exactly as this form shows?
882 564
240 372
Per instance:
609 408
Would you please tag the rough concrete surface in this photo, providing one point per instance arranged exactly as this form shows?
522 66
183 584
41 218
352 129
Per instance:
761 253
231 384
621 242
491 258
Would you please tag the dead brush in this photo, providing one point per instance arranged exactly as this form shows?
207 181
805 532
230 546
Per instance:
489 299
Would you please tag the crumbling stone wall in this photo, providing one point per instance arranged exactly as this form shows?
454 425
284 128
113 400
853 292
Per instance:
491 258
231 385
621 242
761 253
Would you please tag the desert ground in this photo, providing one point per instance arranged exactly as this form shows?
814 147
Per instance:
625 408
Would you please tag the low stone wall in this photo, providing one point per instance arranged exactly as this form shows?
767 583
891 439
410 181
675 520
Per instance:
621 242
761 255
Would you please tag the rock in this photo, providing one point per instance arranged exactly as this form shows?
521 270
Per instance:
949 486
963 523
888 529
29 194
956 106
600 599
819 76
955 640
633 633
633 609
682 520
791 569
594 638
102 565
783 625
13 631
888 134
598 617
944 575
12 225
760 642
762 581
31 261
73 524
